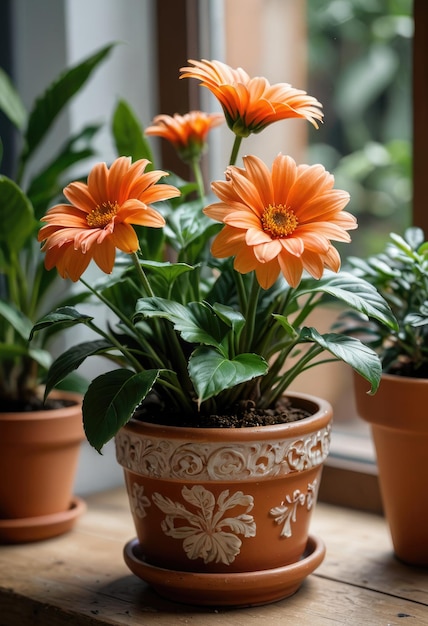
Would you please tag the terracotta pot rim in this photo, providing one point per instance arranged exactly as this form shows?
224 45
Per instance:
404 380
398 404
45 414
322 408
47 427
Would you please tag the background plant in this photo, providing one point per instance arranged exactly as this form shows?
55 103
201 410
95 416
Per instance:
400 274
360 58
27 290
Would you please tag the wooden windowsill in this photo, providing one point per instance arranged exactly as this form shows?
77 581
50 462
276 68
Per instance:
81 578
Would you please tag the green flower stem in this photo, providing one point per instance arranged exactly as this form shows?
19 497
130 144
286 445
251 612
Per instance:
12 283
306 309
250 316
235 150
141 273
123 318
126 353
287 378
242 292
35 291
177 392
195 164
164 331
268 382
180 361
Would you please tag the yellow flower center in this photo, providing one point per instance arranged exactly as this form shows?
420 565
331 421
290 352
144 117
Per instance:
102 214
279 221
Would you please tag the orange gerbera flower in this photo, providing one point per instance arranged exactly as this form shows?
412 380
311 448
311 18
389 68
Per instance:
250 104
187 133
280 220
100 215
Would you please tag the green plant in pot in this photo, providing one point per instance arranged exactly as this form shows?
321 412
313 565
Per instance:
27 291
207 297
396 413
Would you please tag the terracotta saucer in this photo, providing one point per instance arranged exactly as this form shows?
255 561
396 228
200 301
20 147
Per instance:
36 528
236 589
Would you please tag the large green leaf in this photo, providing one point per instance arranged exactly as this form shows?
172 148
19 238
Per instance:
212 373
72 358
196 322
111 400
128 135
10 101
16 215
48 106
349 350
356 293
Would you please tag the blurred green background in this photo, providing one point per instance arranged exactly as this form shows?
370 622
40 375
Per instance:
360 68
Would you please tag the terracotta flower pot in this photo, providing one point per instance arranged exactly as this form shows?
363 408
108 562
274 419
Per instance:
222 515
399 423
39 452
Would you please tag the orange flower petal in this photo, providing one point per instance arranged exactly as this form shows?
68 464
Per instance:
282 219
100 215
187 133
267 273
250 104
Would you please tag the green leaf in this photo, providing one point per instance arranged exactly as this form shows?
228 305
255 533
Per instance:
212 373
20 323
16 215
196 322
72 358
10 101
167 272
66 316
188 226
129 136
111 400
356 293
48 106
349 350
42 357
230 316
289 328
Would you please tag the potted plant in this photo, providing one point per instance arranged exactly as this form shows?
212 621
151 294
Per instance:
39 442
208 300
396 413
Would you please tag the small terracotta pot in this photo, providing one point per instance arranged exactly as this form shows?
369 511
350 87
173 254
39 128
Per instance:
38 460
225 503
399 423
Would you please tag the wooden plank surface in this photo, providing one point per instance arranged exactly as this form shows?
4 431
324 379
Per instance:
81 579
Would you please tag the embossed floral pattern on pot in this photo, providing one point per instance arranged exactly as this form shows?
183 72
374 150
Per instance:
209 534
286 512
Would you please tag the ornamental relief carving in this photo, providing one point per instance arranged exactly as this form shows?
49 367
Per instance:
203 525
209 527
178 459
286 512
